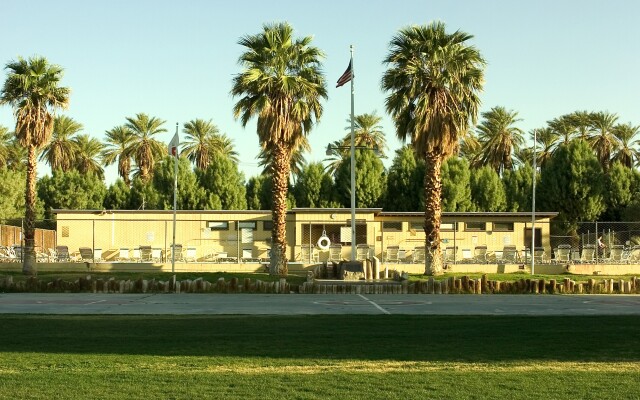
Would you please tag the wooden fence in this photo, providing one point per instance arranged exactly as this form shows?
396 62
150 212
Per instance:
12 236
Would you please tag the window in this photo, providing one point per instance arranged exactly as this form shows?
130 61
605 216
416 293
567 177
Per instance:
475 226
503 226
416 226
267 225
65 231
218 225
247 225
392 226
448 226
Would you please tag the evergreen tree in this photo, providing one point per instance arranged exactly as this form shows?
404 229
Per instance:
314 188
518 186
117 196
487 190
71 190
572 183
405 182
619 183
223 184
254 191
12 196
371 180
456 190
191 196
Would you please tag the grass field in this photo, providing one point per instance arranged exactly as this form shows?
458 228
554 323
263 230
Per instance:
319 357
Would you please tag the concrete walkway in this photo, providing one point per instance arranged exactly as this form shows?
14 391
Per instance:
266 304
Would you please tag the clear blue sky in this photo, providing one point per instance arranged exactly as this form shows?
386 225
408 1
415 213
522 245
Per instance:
175 60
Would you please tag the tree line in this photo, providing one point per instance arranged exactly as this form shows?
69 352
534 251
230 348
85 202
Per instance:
433 83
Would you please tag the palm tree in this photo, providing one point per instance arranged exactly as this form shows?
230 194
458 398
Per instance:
581 122
499 138
118 141
33 90
144 149
5 143
546 144
203 140
469 148
626 154
602 140
61 150
281 84
297 163
367 133
563 128
89 151
434 79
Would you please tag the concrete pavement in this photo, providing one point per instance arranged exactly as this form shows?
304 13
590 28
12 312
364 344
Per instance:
273 304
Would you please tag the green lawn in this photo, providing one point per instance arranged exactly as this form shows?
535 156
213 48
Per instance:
318 357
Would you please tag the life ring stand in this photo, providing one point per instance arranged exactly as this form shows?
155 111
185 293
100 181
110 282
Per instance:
324 242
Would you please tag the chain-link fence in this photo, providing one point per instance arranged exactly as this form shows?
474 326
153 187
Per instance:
393 239
597 242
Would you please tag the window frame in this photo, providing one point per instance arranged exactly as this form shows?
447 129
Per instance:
469 229
224 225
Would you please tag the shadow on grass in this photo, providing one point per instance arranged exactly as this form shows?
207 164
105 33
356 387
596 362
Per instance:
402 338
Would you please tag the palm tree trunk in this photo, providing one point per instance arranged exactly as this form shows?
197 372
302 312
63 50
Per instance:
280 176
433 213
29 253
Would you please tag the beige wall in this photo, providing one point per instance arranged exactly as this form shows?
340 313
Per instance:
112 231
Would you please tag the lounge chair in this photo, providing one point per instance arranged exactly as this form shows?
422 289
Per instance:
392 254
62 254
308 253
362 252
480 254
156 255
123 255
177 250
86 254
335 252
562 254
418 254
450 254
539 255
615 255
190 255
510 254
145 253
588 254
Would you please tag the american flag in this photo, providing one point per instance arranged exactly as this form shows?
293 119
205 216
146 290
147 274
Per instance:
346 77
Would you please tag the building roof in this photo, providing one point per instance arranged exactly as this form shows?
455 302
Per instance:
376 211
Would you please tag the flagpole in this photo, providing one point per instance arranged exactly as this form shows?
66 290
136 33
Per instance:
533 207
175 202
353 169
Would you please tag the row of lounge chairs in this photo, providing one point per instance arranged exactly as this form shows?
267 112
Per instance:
617 254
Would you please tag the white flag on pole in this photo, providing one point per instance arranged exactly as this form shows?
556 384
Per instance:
173 145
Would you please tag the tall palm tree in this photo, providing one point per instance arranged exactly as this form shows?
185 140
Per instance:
61 150
581 122
367 133
281 84
298 161
144 149
88 154
5 143
434 79
626 154
499 138
117 142
563 128
546 144
602 139
33 90
203 140
469 148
